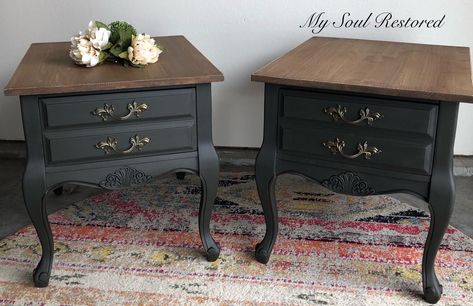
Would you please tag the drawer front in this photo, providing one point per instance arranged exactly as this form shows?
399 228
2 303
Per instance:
413 117
349 146
118 107
109 143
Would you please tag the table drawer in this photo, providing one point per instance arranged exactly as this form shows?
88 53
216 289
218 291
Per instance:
115 107
130 140
414 117
374 150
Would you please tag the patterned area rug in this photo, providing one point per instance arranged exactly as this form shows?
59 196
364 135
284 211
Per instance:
141 246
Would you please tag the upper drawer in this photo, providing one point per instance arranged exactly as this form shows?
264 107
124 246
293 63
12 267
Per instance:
354 110
88 109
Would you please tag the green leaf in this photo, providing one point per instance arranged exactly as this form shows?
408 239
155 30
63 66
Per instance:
137 65
123 55
103 56
100 24
117 49
107 46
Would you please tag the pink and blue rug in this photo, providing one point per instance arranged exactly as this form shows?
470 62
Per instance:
141 246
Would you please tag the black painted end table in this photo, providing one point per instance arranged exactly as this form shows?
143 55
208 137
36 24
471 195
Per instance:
114 127
362 118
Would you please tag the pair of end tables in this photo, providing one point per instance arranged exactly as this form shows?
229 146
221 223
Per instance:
360 117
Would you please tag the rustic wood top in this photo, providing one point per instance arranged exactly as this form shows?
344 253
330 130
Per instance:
376 67
47 69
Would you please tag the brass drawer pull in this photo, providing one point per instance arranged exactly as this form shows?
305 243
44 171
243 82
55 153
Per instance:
338 113
107 111
110 145
363 149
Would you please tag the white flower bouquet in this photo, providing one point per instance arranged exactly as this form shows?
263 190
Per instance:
117 42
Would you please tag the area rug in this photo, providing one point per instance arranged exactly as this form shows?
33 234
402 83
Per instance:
141 246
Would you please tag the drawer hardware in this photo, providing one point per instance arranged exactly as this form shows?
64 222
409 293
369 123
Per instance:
338 113
363 149
107 111
110 145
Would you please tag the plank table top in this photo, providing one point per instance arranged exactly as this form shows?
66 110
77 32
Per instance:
375 67
47 69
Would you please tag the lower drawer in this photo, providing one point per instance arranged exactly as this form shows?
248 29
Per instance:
80 145
348 146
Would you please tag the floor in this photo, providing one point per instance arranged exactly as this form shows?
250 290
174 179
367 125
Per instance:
13 214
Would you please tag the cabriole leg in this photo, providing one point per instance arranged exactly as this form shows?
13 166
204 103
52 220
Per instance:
208 168
441 207
265 181
34 200
441 198
209 179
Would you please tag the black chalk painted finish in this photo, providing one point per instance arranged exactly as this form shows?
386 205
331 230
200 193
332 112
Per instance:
415 139
61 132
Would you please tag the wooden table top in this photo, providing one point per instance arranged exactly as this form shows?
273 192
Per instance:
377 67
47 69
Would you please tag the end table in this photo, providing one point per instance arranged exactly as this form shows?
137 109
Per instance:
113 127
365 117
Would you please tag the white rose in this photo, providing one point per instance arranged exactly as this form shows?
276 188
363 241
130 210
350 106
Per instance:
83 52
98 36
143 50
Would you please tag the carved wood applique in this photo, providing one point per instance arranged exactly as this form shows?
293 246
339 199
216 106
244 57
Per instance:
348 183
125 177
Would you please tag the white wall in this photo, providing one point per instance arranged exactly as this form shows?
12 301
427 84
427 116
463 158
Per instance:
237 36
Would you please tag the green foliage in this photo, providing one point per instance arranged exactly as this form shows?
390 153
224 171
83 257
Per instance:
121 35
123 55
107 46
103 56
121 30
100 24
137 65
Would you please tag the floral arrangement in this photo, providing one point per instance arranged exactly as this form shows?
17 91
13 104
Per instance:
116 42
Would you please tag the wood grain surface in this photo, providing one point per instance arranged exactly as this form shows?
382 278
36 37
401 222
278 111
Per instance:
376 67
47 69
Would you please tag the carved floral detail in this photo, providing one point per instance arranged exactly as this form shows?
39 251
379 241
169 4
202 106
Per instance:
125 177
348 183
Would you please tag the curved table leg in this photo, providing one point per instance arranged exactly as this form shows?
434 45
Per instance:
209 181
265 181
441 198
441 207
208 169
265 168
34 200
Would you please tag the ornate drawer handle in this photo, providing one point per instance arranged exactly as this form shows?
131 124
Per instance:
107 111
110 145
338 113
363 149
